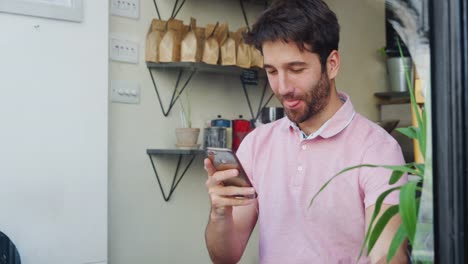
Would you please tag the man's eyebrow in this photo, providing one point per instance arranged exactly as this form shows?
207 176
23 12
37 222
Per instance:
289 64
297 63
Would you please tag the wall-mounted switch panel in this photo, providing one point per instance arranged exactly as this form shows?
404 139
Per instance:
124 91
123 50
126 8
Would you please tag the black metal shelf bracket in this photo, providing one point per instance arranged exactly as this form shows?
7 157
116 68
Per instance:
244 13
176 178
261 104
241 2
176 93
157 9
175 10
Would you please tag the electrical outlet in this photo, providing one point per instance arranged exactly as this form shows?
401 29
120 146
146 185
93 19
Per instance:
123 50
124 91
126 8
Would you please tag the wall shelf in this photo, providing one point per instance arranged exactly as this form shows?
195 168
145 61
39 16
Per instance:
393 97
190 154
188 69
203 67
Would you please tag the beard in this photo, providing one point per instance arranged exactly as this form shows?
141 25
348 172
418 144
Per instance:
316 98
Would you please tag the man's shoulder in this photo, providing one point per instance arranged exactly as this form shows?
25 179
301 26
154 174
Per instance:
369 132
266 130
265 134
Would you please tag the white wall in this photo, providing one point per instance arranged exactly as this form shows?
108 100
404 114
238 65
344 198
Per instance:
53 136
362 70
145 229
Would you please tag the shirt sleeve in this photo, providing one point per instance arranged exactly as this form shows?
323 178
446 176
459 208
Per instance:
374 181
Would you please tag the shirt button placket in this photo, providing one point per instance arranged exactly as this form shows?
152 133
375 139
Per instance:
299 174
300 165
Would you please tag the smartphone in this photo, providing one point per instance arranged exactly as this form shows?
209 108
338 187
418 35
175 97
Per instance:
225 159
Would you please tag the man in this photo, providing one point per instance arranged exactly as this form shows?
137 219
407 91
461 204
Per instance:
290 159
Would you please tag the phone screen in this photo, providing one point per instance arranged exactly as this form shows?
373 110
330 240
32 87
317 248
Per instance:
225 159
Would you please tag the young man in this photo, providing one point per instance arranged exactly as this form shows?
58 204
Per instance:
290 159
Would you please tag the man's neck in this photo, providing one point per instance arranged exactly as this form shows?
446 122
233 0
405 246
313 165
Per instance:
315 122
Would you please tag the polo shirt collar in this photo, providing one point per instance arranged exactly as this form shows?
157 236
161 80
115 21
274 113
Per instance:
337 123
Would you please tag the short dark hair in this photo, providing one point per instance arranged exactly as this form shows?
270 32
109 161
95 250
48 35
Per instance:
304 22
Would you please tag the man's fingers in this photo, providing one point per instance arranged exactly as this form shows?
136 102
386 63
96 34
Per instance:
222 196
210 169
218 177
225 174
220 201
227 191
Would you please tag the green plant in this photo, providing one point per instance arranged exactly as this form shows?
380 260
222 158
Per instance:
186 112
409 202
382 52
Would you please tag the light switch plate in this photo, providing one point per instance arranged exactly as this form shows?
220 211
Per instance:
126 8
123 50
125 91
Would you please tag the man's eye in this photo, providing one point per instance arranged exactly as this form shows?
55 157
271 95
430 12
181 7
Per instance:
297 70
271 72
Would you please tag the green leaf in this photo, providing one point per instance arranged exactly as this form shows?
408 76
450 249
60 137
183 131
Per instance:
421 136
420 117
422 139
416 169
405 168
408 209
336 175
421 168
411 132
380 226
378 205
397 240
411 90
396 176
382 52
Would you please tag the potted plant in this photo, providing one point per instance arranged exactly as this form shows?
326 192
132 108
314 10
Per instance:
395 65
409 198
187 137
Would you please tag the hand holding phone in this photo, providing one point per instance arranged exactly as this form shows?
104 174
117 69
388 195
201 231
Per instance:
225 159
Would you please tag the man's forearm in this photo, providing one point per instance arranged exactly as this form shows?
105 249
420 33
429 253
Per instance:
223 242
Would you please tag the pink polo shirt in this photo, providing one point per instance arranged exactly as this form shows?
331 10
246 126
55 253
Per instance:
287 170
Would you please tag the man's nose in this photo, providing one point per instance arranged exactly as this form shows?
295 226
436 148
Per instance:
284 85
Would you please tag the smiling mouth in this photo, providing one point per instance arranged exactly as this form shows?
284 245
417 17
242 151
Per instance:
291 104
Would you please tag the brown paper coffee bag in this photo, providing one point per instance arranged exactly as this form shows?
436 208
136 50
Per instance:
200 33
211 46
153 38
228 51
189 44
169 48
243 50
221 33
256 57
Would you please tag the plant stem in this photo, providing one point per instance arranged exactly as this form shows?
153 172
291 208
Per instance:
414 104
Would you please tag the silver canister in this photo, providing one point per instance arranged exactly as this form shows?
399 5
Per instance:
215 137
270 114
397 68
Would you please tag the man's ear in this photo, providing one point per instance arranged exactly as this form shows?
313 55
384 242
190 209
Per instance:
333 64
